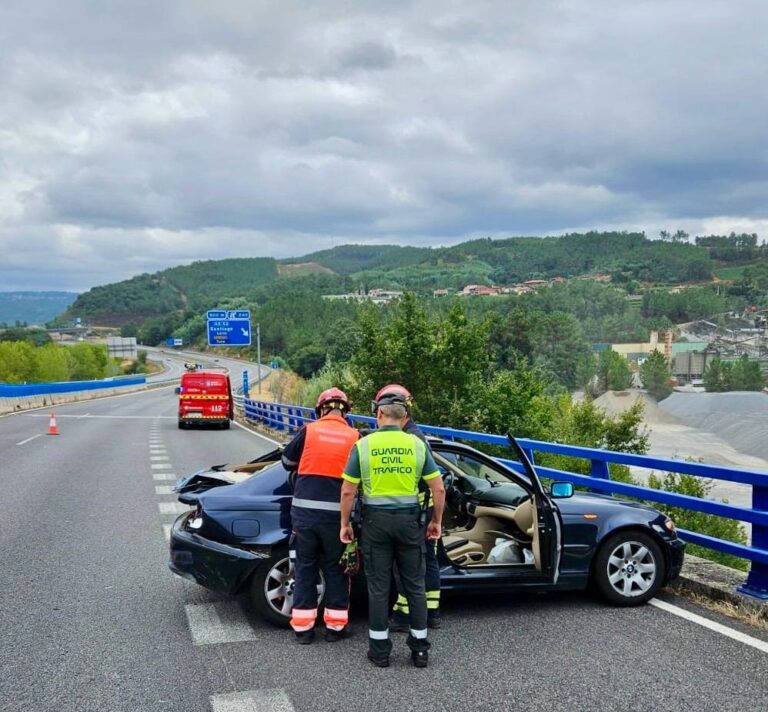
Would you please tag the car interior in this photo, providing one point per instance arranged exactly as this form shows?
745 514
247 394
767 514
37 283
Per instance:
489 520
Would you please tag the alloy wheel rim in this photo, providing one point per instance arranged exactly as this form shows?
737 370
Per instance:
279 586
631 569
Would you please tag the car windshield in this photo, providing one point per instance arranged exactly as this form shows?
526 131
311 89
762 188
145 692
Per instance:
477 469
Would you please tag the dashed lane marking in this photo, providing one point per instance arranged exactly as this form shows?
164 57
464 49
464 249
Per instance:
161 466
711 625
24 442
215 623
158 458
164 476
266 700
172 507
163 489
167 532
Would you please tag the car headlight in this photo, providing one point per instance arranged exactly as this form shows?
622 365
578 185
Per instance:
195 522
669 525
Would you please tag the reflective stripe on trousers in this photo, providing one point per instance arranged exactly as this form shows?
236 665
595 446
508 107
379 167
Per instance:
303 619
378 634
433 602
335 618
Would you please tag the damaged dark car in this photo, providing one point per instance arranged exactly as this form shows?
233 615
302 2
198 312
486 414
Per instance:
504 531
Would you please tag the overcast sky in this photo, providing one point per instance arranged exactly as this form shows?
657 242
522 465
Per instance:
142 134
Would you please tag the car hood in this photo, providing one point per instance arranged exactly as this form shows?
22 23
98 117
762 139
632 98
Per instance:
586 502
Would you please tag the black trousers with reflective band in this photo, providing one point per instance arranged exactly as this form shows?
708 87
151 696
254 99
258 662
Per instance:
389 537
318 548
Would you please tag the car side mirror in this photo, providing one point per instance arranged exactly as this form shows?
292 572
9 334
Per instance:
177 390
561 490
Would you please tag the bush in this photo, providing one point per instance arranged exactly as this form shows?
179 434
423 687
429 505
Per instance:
710 524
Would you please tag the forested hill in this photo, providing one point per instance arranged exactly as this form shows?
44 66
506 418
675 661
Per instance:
624 257
201 285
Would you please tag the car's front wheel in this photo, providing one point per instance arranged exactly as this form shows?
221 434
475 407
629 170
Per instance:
272 589
628 569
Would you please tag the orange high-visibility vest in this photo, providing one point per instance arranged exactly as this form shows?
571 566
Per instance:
327 445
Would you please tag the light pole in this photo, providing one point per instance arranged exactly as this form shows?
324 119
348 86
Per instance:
258 355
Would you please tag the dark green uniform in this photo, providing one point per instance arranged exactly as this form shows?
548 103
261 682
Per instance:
389 463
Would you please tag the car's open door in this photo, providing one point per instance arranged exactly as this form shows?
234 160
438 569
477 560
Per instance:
547 537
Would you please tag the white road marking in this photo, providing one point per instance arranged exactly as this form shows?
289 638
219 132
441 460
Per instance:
24 442
258 435
706 623
214 623
167 532
266 700
161 466
172 507
86 415
164 476
163 489
158 458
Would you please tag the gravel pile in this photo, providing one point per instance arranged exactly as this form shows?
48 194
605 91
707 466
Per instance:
739 418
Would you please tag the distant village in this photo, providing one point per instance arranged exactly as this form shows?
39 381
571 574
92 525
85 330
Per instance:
384 296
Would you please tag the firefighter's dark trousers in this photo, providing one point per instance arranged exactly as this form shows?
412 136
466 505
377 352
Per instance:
317 549
388 537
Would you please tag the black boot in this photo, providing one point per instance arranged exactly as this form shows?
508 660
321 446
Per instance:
378 660
332 636
434 619
305 637
420 658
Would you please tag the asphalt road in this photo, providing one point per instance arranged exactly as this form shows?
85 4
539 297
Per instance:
91 618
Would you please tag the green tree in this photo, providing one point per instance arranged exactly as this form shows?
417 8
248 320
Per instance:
655 375
747 375
437 359
51 364
560 347
715 377
613 372
309 359
36 337
17 362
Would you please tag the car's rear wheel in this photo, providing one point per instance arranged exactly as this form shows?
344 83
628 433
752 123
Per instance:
225 425
272 589
182 425
628 569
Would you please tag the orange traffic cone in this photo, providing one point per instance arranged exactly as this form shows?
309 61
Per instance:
52 429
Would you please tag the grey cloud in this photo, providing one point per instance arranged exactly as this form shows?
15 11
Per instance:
281 124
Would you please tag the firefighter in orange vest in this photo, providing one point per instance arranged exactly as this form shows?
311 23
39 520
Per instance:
318 454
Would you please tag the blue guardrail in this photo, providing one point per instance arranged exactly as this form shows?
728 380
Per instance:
9 390
289 418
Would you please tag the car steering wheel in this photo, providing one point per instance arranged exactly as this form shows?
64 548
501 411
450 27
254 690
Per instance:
453 494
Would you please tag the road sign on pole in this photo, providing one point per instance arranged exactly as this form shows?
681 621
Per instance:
229 328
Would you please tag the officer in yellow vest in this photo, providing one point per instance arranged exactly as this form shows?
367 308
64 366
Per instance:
389 464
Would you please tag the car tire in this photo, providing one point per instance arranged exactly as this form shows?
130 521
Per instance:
182 425
225 426
629 568
266 595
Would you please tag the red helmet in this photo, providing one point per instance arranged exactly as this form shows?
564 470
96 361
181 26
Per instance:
393 393
331 396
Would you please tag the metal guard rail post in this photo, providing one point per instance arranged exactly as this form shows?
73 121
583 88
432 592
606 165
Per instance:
291 417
